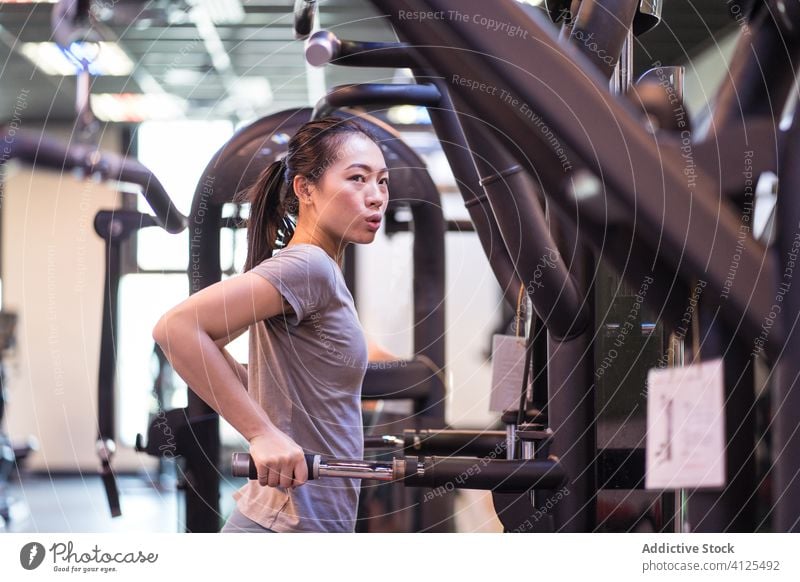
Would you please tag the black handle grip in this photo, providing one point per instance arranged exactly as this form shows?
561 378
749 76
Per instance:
325 47
462 443
304 13
129 170
495 475
242 465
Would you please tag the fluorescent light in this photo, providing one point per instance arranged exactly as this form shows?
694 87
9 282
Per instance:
183 77
109 59
48 57
135 107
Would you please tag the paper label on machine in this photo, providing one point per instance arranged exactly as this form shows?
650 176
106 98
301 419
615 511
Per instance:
508 365
686 427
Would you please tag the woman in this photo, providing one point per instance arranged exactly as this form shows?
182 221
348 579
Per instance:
308 354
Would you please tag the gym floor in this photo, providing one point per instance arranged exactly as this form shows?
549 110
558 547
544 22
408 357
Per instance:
77 504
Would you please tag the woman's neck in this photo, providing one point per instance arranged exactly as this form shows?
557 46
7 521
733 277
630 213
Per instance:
335 251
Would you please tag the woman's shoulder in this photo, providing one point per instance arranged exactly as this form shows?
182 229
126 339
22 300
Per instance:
304 274
302 267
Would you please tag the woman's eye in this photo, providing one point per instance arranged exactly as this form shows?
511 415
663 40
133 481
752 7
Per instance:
358 178
385 182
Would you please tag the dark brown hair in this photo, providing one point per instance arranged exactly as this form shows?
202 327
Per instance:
273 203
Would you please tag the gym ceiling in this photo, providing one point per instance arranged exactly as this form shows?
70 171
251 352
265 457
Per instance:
209 58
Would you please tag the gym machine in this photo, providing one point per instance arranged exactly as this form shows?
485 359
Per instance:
672 236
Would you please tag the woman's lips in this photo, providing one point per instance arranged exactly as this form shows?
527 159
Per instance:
374 221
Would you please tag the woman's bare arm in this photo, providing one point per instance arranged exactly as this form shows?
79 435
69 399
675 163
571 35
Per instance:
192 336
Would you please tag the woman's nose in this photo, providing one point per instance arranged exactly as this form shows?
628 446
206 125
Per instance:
375 198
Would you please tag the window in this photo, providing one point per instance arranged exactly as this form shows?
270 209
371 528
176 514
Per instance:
177 152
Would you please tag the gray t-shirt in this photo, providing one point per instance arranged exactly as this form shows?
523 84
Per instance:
306 371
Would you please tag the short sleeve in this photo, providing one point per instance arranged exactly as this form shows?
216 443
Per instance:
304 275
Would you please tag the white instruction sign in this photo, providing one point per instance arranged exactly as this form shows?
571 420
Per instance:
508 365
686 427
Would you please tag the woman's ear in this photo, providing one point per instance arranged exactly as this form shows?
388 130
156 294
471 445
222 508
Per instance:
301 187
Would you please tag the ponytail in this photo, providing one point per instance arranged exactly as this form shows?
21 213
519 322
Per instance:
268 226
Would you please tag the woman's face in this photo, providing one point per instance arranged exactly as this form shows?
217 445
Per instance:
349 200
